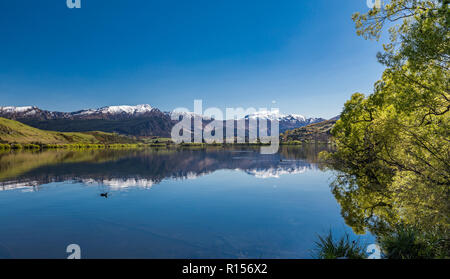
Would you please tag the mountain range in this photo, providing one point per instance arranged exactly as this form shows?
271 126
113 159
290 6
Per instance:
140 120
287 121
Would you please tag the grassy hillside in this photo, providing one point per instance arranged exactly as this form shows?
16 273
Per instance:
318 132
15 132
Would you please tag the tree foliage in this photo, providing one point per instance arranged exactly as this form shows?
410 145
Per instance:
393 157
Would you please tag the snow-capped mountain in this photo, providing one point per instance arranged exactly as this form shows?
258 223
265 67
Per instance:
181 114
116 110
17 109
139 120
100 113
286 121
30 112
275 115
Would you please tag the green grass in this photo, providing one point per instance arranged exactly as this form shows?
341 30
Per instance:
156 140
18 135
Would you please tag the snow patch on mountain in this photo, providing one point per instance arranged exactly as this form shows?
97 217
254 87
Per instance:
132 110
175 115
276 115
17 109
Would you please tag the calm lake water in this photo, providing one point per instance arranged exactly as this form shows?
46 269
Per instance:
185 203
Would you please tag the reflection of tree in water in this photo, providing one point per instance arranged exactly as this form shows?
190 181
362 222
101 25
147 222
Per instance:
369 202
309 152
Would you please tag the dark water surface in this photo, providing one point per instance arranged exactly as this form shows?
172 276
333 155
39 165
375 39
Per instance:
214 203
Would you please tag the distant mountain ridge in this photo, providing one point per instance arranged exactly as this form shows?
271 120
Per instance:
138 110
140 120
286 121
100 113
317 132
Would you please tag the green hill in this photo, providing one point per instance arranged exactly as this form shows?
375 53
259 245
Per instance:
318 132
15 132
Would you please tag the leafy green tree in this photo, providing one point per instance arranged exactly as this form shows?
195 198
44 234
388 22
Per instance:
393 157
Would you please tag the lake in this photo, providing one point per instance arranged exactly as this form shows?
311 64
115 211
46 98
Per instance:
167 203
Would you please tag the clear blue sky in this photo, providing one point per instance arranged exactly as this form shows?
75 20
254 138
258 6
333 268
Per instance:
303 54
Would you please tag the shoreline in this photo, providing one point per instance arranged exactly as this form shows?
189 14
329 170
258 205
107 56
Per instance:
36 146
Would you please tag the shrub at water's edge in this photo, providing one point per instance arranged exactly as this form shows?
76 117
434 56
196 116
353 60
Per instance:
402 243
327 247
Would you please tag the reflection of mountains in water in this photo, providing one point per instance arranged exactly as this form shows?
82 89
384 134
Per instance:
121 169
